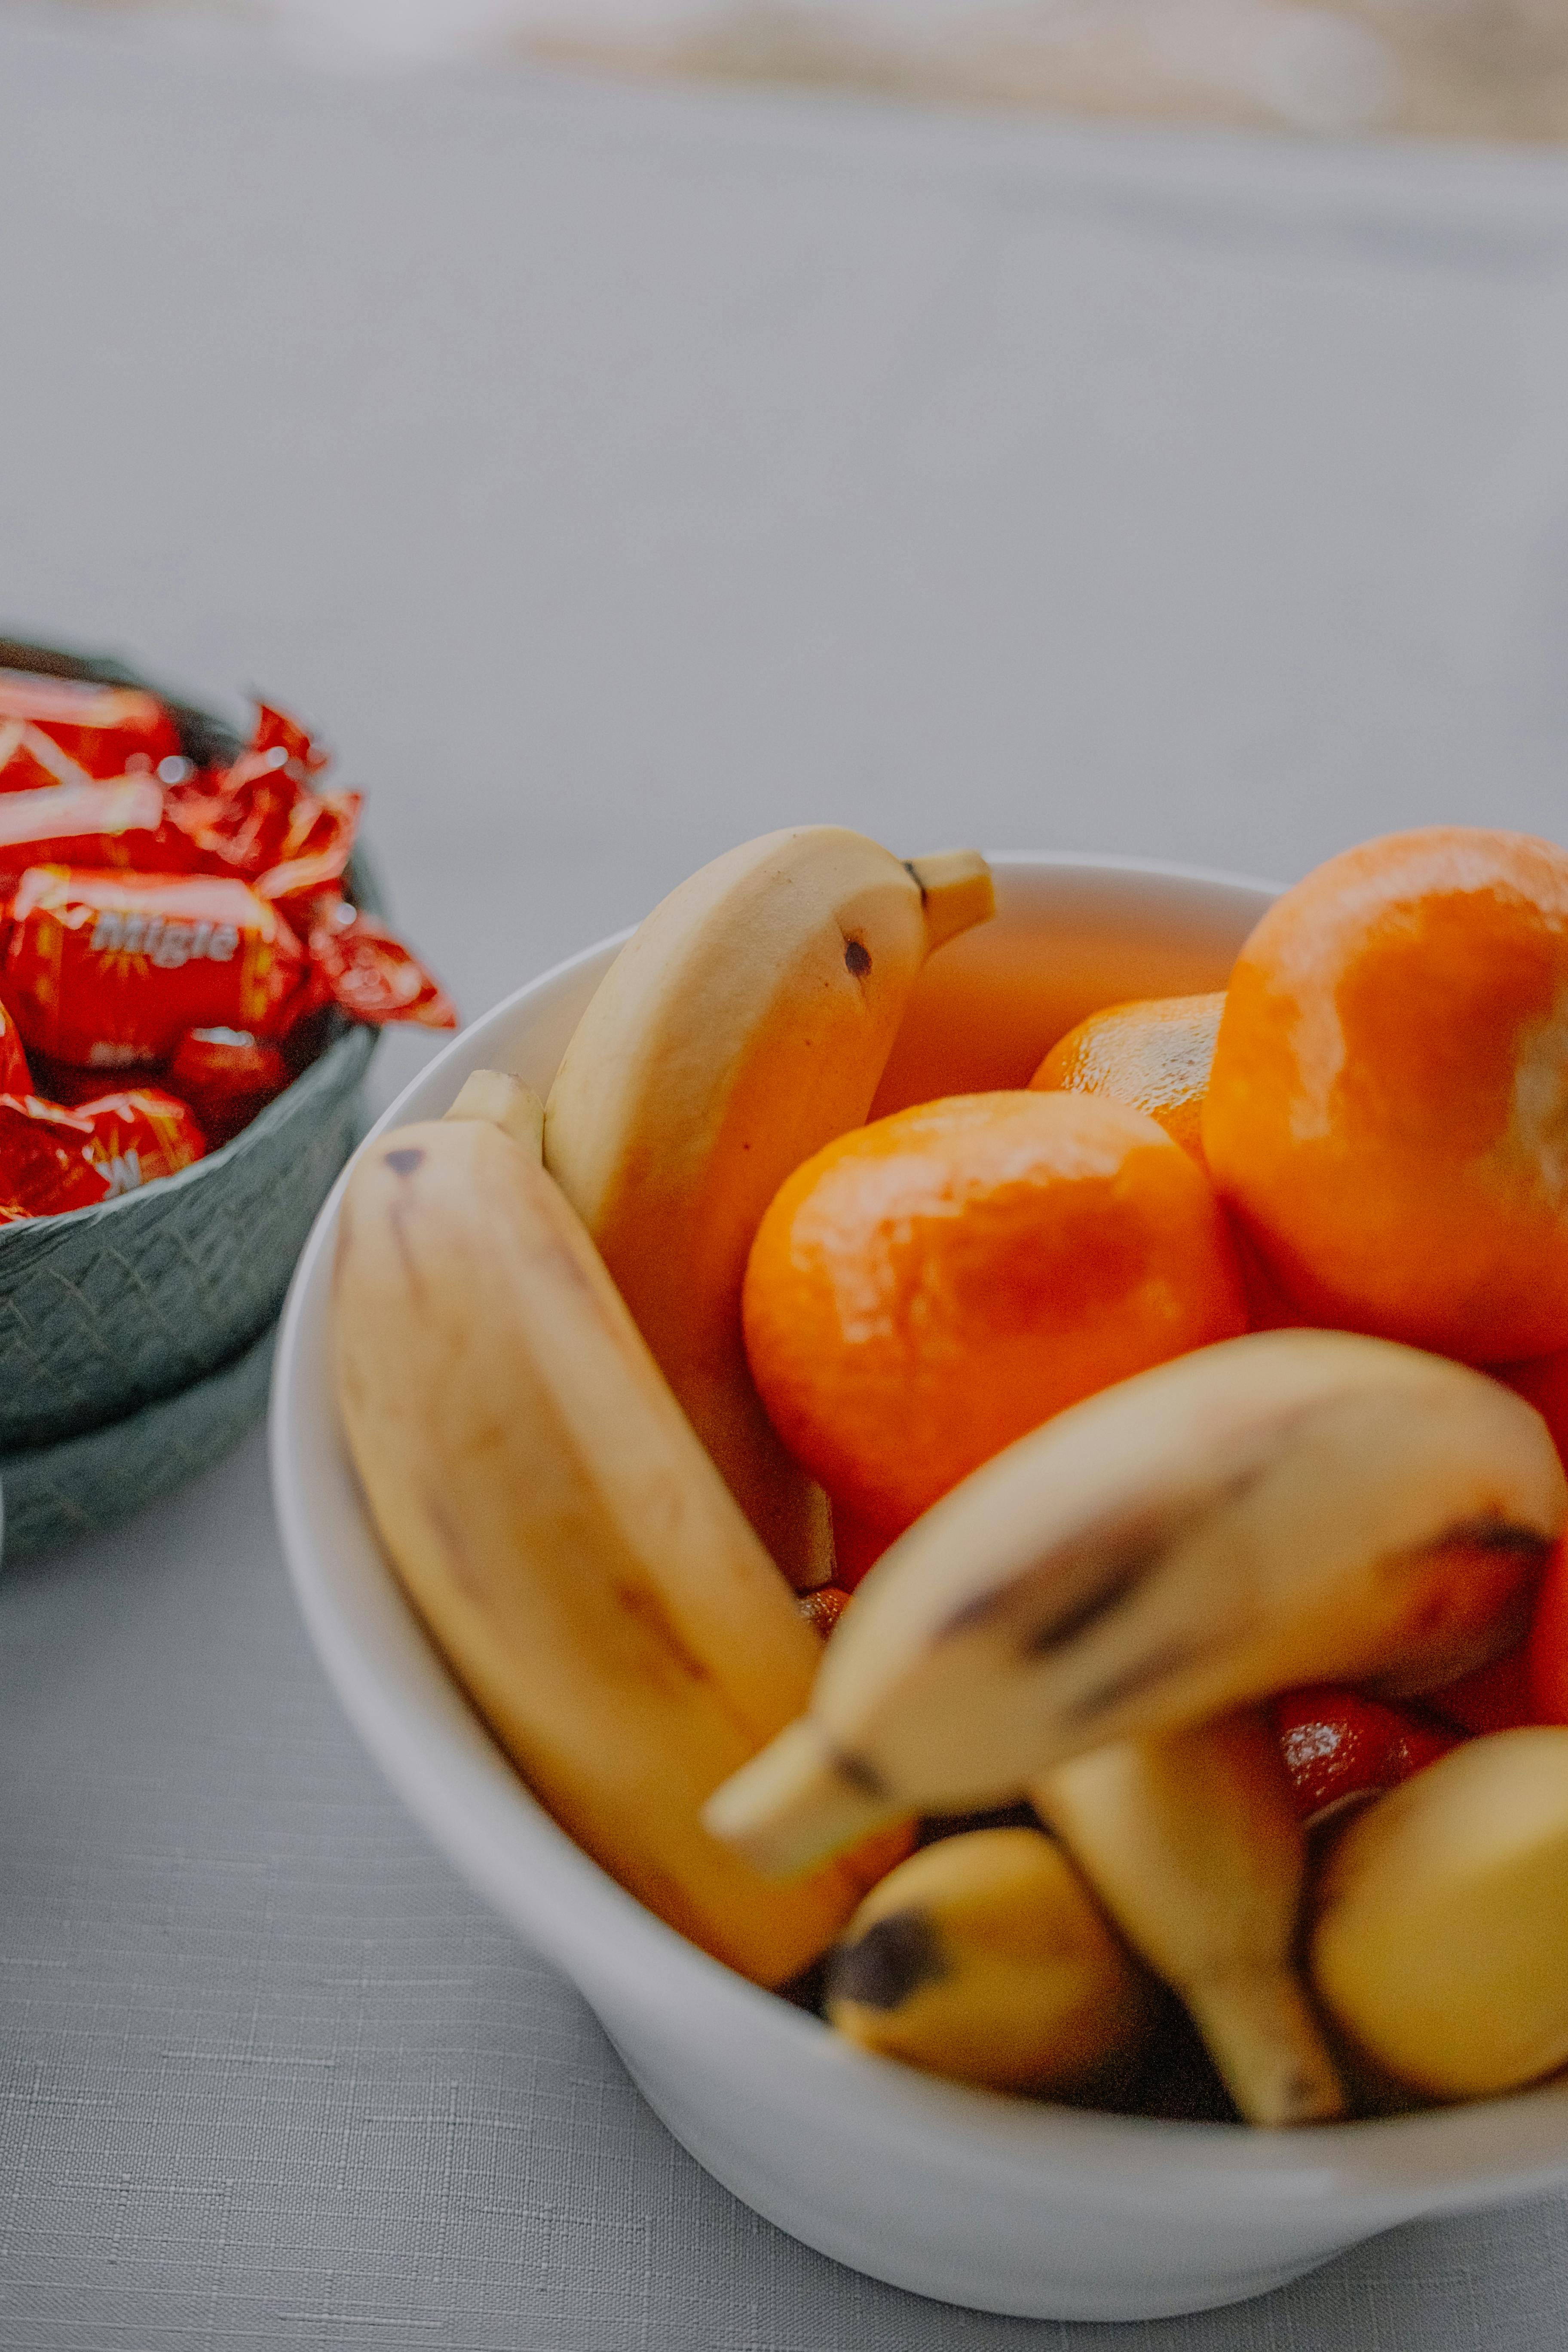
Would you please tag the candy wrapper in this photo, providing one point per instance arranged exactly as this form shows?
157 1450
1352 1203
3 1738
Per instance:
190 925
108 972
227 1076
261 812
141 1135
56 730
47 1163
372 975
117 825
16 1078
54 1159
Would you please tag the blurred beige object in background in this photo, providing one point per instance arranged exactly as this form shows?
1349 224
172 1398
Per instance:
1492 69
1469 69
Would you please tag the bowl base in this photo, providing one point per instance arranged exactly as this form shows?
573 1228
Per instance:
1079 2265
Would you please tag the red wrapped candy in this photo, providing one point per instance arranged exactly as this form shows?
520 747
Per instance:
120 824
141 1135
109 971
227 1076
261 812
56 730
47 1163
371 974
15 1079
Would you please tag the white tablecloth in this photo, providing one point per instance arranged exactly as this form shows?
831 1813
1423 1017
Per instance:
617 472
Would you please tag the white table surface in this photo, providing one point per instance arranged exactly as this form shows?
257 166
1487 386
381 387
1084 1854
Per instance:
615 473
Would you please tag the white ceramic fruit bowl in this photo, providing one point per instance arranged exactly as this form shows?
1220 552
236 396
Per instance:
1004 2204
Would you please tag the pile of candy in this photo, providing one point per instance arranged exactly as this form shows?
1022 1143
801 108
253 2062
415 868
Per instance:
171 938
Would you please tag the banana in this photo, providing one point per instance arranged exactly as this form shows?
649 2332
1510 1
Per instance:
1288 1507
574 1553
505 1102
1440 1942
1192 1844
743 1028
984 1959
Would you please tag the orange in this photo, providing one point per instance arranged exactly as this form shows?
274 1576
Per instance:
1153 1054
930 1288
1387 1112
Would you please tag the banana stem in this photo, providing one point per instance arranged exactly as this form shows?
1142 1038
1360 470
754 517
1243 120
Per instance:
796 1804
957 891
505 1102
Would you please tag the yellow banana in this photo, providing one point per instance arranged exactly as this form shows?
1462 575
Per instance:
743 1028
568 1542
1192 1844
1440 1944
505 1102
984 1959
1288 1508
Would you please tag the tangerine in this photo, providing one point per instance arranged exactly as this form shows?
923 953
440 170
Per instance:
1154 1054
928 1288
1387 1112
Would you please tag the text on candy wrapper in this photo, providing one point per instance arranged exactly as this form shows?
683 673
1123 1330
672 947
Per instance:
164 938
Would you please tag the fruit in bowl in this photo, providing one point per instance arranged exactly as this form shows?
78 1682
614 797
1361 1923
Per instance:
1452 1601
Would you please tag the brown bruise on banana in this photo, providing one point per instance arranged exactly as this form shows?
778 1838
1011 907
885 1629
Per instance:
894 1958
1172 1658
859 1773
1495 1533
642 1605
1076 1586
405 1162
449 1535
856 958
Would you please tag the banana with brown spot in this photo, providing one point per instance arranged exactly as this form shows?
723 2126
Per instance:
569 1546
986 1960
743 1025
1288 1507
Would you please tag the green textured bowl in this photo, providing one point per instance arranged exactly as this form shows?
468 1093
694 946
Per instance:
115 1319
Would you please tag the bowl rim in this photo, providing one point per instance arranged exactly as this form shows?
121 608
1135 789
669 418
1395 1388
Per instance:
479 1813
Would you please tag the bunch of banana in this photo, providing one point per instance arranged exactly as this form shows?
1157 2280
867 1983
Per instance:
1087 1619
1288 1507
1442 1917
984 1959
743 1027
575 1554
